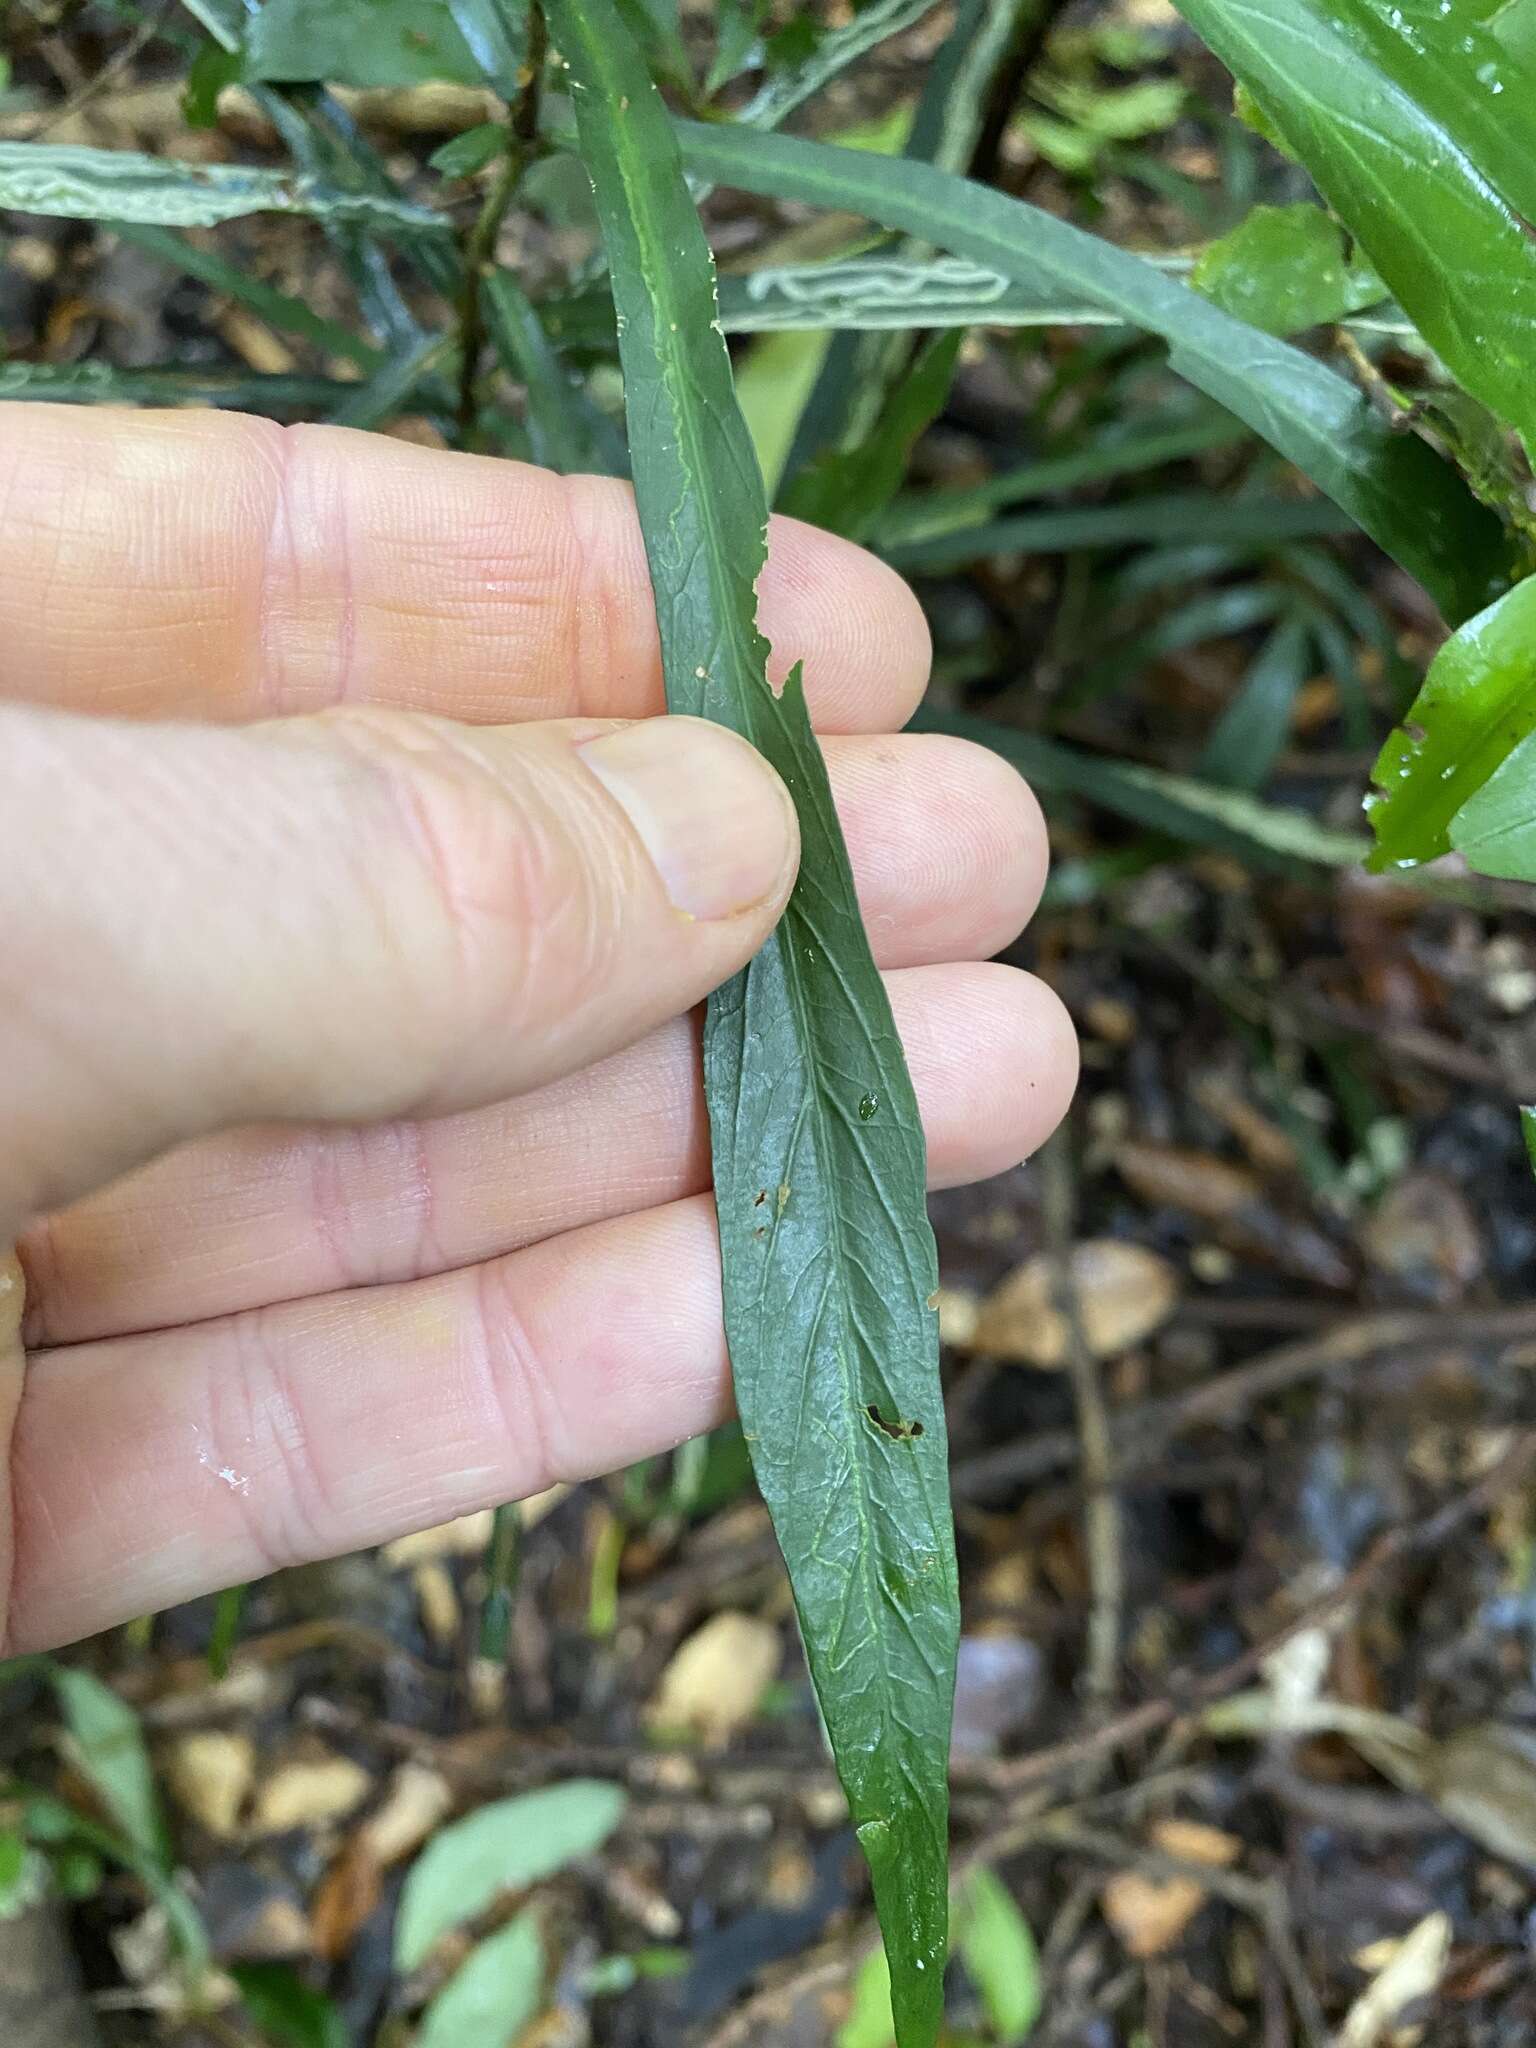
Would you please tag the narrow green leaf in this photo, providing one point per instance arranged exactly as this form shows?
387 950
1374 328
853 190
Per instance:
279 309
566 431
1477 704
504 1847
106 1743
359 42
925 515
868 292
94 383
1398 110
848 489
840 47
287 2012
1496 829
388 391
76 183
495 32
1528 1131
999 1951
1246 743
489 2000
1391 484
1196 813
828 1260
957 91
1177 516
1285 268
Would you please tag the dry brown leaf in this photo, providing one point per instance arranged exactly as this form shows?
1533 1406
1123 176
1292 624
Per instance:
715 1681
1411 1971
210 1774
1150 1913
441 1615
1196 1841
310 1794
467 1537
417 1800
1124 1293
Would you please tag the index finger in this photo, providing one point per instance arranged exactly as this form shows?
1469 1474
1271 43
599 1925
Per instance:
211 565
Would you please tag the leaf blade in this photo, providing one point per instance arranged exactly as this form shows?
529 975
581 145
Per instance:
1393 486
70 181
1395 113
808 1092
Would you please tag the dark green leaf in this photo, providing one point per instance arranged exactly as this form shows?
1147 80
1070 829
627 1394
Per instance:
495 33
359 42
1415 125
75 183
848 489
925 516
1175 805
285 2009
1243 749
96 383
491 1998
1391 484
566 431
1284 268
210 71
736 41
1178 516
999 1950
388 391
1477 704
827 1256
504 1847
461 156
1528 1130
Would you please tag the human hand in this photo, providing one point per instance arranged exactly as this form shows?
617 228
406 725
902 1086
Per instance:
351 1127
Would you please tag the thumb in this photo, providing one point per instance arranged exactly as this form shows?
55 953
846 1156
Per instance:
349 916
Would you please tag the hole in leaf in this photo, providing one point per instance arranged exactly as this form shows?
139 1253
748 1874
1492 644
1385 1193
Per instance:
898 1432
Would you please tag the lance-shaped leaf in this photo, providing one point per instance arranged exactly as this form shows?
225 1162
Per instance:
1415 123
1477 704
77 183
1393 485
828 1259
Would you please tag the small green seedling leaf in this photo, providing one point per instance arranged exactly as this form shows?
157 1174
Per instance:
489 2000
461 156
504 1847
286 2011
1477 704
999 1952
1285 268
827 1285
106 1744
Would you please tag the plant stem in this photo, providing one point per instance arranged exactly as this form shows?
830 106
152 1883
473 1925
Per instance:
480 249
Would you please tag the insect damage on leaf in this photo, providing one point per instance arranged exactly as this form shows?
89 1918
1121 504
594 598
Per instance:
828 1263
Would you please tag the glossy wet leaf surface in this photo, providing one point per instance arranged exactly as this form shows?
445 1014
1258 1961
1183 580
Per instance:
828 1259
1414 122
1477 704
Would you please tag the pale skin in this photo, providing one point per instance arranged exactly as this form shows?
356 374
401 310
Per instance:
354 899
